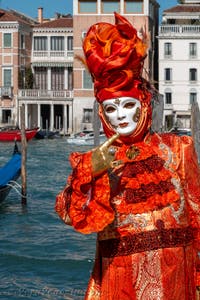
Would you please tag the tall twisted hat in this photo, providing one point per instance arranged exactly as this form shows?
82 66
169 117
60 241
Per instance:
114 55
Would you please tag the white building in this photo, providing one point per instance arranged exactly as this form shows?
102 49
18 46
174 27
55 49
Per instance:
179 57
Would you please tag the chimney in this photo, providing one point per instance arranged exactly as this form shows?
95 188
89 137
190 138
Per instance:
40 15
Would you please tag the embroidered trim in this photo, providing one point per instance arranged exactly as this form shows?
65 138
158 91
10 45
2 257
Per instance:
179 211
149 165
146 182
145 191
146 241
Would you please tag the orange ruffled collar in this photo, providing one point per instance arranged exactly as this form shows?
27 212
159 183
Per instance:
152 176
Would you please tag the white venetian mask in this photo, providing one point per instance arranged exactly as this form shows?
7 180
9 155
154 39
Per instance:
123 114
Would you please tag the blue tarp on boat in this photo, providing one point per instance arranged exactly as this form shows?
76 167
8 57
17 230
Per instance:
10 170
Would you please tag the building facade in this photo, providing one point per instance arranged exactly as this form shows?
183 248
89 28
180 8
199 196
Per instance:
143 14
179 68
40 69
15 58
49 101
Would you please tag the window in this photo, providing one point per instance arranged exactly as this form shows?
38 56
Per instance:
57 43
40 43
87 6
7 79
22 79
87 80
70 43
110 6
41 78
193 97
167 49
152 13
193 74
134 6
70 79
22 41
6 115
168 74
7 40
57 78
83 34
87 115
193 49
168 98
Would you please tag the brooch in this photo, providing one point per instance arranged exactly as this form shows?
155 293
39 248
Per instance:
132 152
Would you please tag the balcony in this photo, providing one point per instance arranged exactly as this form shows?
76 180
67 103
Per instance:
179 30
6 91
52 56
45 94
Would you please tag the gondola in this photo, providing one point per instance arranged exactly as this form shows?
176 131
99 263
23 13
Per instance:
9 173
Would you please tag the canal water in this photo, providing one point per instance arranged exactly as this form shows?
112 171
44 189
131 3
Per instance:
40 256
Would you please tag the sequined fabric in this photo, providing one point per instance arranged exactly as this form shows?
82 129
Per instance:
146 241
147 216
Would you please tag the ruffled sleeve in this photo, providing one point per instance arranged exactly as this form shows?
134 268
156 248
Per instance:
90 209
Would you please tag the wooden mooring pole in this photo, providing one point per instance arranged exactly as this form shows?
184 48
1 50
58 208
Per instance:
23 150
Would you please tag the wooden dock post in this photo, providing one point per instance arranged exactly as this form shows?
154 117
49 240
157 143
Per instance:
23 150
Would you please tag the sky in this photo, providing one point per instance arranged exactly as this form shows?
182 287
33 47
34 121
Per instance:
29 7
50 7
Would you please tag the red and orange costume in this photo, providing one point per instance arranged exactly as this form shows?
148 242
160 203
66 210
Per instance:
146 210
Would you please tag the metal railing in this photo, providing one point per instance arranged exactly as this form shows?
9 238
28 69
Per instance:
47 94
167 29
6 91
49 54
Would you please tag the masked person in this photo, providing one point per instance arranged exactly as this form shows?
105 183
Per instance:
139 191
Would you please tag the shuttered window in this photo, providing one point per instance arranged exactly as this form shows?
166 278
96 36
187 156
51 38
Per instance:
133 6
57 78
40 43
57 43
87 6
7 79
7 40
87 80
110 6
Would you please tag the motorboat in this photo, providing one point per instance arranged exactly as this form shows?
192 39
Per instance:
181 131
85 137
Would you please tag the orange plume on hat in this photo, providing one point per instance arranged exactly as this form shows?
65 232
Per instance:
115 56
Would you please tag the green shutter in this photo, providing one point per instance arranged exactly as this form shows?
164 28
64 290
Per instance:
7 40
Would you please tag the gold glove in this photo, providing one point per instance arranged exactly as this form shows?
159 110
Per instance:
103 156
